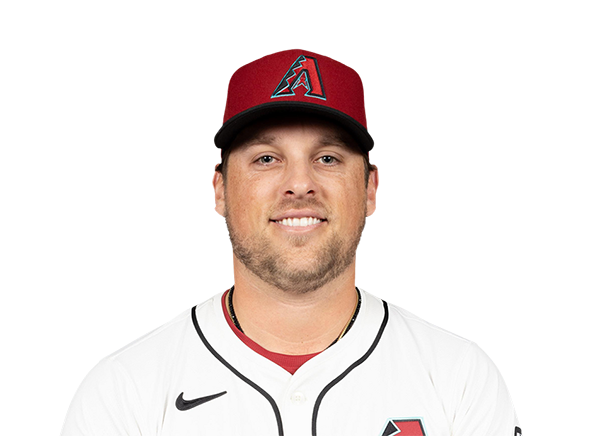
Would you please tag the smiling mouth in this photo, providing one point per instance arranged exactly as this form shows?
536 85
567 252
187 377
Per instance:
299 222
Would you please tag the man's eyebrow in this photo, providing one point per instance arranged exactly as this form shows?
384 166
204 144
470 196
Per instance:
337 140
333 139
258 139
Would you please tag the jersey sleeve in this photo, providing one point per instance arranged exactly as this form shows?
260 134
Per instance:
106 403
483 406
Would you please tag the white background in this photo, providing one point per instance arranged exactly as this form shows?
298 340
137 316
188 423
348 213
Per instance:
561 166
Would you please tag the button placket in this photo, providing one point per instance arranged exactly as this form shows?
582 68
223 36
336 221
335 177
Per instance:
298 397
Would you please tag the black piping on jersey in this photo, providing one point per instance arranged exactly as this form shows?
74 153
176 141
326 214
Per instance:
240 375
350 368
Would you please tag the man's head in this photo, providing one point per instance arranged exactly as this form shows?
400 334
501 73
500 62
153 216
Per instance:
295 184
295 200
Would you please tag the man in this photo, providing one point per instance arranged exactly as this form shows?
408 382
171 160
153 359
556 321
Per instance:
294 348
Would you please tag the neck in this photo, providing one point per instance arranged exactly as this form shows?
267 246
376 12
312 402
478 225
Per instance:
292 323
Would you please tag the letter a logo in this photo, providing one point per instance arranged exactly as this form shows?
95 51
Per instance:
303 72
403 427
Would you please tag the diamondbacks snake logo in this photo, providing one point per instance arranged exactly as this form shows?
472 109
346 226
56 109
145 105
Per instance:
305 73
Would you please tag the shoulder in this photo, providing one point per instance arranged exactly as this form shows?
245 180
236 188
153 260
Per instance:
161 336
136 359
433 348
424 331
127 388
434 341
464 378
151 357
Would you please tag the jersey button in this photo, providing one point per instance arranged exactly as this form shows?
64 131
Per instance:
298 397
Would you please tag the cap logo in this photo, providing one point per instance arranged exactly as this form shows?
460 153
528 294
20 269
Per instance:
303 72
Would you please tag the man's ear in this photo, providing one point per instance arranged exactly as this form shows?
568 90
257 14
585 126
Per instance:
372 190
219 186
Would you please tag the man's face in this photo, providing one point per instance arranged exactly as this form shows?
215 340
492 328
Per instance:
295 201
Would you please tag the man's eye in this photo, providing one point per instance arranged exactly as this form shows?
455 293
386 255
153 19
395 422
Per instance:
266 159
328 160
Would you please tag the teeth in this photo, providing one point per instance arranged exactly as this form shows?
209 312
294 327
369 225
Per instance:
299 222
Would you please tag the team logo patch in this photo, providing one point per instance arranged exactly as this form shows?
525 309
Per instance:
303 72
403 427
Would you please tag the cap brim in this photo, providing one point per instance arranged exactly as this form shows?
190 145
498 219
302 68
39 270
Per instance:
235 124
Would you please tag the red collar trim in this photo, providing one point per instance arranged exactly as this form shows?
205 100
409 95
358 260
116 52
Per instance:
290 363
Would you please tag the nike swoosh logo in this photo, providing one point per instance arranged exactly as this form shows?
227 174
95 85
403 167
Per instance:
182 404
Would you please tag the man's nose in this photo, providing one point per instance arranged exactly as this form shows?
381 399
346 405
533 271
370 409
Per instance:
299 180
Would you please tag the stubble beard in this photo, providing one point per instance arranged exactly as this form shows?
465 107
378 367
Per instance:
273 265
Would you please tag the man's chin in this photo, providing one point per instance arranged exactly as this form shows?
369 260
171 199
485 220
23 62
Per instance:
297 263
298 241
298 282
299 272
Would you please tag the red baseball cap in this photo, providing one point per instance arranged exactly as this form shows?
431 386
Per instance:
295 81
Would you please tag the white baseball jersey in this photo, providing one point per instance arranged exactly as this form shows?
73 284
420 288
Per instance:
391 374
